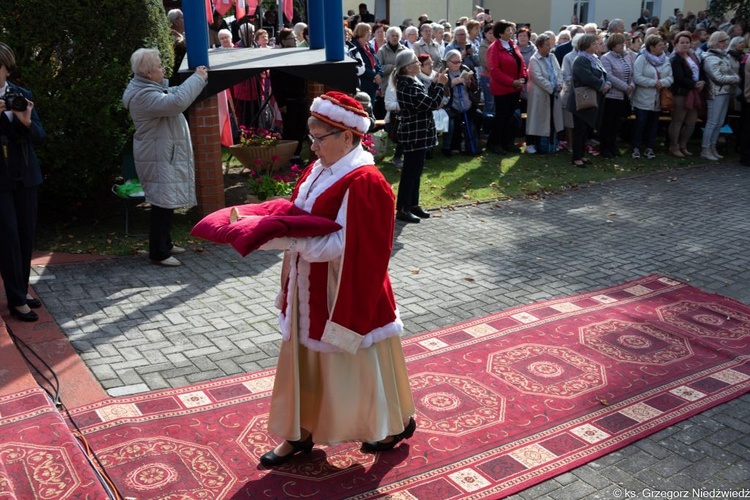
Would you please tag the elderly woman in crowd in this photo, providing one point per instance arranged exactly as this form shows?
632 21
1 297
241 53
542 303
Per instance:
619 67
544 115
587 72
426 45
567 73
652 72
411 35
722 74
370 79
387 53
687 89
162 149
416 131
462 92
507 79
378 37
484 74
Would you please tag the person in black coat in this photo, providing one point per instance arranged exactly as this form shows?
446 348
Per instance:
416 129
20 176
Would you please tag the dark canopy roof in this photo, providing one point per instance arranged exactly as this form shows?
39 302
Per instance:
228 67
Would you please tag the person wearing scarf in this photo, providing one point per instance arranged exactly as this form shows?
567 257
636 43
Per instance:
587 72
619 66
652 72
687 88
722 78
371 78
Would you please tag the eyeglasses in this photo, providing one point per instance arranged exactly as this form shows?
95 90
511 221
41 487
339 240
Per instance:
455 62
319 140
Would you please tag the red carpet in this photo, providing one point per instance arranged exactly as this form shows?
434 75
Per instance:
504 402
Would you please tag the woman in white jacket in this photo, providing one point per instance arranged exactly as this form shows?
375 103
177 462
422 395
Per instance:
652 72
723 76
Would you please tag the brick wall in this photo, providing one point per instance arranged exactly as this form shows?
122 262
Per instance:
209 178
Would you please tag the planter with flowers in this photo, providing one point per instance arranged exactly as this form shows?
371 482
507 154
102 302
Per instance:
267 184
262 148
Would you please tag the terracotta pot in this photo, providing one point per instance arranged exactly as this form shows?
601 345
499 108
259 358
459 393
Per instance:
247 155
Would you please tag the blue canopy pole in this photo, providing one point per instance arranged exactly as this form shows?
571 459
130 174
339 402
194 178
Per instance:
333 16
196 33
315 27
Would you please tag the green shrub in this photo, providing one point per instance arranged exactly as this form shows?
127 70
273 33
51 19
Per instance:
75 58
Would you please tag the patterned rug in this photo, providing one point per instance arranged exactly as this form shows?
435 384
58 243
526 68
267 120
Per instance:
503 402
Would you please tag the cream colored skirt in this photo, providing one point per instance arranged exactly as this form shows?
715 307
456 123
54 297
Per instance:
340 397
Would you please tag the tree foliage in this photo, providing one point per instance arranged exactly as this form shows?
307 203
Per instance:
741 9
75 58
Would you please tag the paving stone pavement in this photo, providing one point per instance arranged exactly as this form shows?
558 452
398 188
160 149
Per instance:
141 327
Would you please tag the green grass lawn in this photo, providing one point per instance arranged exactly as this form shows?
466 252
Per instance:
97 226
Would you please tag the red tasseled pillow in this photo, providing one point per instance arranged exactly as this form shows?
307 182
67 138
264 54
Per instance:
259 223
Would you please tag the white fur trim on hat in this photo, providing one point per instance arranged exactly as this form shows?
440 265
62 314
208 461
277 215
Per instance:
339 117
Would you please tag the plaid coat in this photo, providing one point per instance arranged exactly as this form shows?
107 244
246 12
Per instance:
416 128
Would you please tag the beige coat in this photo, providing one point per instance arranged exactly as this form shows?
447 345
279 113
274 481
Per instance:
540 110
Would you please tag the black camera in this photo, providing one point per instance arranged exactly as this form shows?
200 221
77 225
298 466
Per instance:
15 101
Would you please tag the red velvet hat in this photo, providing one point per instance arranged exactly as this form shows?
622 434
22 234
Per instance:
341 111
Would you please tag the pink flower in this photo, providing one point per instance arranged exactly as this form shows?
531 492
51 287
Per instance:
258 161
275 158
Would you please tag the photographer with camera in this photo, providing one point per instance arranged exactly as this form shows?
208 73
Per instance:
20 176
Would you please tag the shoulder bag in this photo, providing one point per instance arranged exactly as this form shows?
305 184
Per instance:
666 97
585 98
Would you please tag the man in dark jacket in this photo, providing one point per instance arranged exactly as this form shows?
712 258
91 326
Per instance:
564 48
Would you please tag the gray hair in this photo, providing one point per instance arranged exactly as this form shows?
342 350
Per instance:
542 39
451 53
298 30
734 41
403 59
174 14
144 60
616 24
392 30
411 29
460 29
577 38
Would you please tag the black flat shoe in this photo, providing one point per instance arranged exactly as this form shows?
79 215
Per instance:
29 316
420 213
407 217
405 434
34 303
271 459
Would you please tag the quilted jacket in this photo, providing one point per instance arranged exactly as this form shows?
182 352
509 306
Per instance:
162 149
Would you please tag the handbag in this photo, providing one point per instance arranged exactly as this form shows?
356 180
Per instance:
666 97
585 98
393 132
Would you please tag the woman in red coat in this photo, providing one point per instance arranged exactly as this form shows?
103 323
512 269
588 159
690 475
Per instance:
507 78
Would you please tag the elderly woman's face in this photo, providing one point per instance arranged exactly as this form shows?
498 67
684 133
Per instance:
523 38
427 66
156 74
657 49
226 40
394 38
380 33
508 33
412 37
636 43
545 48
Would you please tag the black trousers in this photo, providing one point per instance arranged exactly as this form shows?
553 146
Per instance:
581 132
159 238
18 216
614 112
411 178
504 128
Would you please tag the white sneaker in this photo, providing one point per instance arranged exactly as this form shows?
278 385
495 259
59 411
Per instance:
177 250
649 154
168 262
531 149
708 154
636 154
716 153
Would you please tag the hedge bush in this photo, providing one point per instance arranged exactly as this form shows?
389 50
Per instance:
75 59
